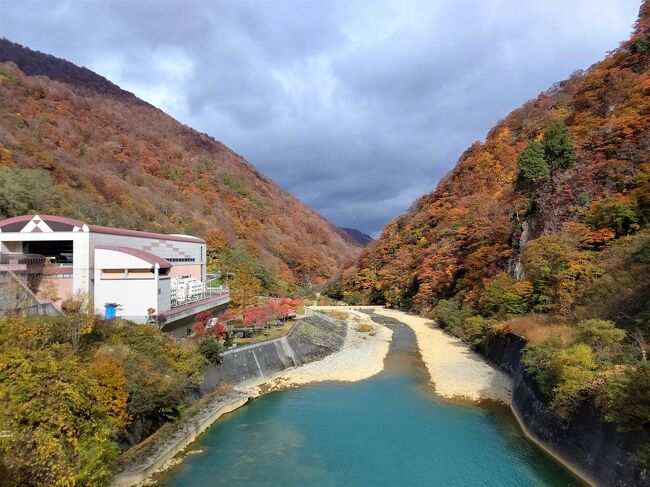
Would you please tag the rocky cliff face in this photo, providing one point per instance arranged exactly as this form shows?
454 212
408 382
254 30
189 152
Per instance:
599 450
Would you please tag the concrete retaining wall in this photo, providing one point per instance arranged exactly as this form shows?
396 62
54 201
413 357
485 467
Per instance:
592 447
311 338
186 435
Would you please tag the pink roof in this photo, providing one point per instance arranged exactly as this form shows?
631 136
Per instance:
140 254
49 219
58 219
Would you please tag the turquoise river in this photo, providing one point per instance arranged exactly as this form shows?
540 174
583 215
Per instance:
389 430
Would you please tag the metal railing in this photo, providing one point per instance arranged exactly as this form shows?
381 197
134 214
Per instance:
207 294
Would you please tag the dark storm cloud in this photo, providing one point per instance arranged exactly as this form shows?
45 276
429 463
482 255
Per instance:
356 107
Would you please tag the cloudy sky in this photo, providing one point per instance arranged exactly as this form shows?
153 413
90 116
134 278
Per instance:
355 106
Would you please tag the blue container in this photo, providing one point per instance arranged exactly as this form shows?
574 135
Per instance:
109 311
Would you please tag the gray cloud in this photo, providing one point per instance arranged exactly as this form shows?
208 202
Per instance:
355 106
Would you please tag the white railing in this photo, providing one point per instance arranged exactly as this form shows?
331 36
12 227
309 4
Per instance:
193 298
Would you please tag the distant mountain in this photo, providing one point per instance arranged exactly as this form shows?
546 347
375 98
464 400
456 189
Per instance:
355 236
104 156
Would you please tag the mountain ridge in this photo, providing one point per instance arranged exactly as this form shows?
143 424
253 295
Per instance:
104 156
471 226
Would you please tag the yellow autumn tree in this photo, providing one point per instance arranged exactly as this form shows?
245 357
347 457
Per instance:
245 289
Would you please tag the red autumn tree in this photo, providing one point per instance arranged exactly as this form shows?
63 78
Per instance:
201 322
256 315
229 315
219 330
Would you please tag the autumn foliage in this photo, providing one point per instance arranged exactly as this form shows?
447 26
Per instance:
543 230
577 154
76 145
70 403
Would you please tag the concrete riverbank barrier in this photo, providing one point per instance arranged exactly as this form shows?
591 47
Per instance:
187 432
594 449
311 338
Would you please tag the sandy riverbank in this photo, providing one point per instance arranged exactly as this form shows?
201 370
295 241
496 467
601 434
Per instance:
455 370
361 356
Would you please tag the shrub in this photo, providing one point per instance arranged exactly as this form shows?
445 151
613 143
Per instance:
24 191
231 181
564 374
538 359
211 350
558 147
172 173
364 328
339 315
573 369
502 294
602 335
619 216
625 396
641 45
531 163
474 328
450 315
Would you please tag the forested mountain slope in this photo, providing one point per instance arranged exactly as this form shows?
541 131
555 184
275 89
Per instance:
479 218
543 231
74 144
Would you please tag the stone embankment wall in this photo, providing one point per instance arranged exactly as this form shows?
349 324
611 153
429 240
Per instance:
588 444
311 338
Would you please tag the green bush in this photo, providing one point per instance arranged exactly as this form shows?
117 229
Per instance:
231 181
24 191
573 368
641 45
538 359
531 163
502 294
450 315
172 173
625 397
558 147
602 335
474 328
211 349
232 259
619 216
564 374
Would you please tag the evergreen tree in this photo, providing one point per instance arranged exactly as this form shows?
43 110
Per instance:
532 166
558 147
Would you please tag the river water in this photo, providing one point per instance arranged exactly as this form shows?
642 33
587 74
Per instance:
390 430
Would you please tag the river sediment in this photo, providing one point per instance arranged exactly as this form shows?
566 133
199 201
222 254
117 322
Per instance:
455 370
361 356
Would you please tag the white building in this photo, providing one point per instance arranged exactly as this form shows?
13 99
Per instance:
137 271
